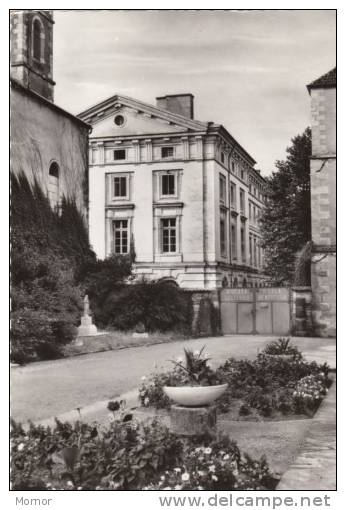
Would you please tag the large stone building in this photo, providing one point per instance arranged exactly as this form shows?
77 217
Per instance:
47 143
184 191
323 202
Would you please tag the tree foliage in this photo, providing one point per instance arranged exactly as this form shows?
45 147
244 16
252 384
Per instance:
286 219
48 254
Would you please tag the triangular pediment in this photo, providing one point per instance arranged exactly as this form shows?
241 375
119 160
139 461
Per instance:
138 119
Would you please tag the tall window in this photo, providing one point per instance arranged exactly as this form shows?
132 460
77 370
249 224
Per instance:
242 201
255 251
120 187
169 235
242 244
168 184
233 242
223 235
233 167
250 246
222 181
36 40
222 157
121 236
232 195
53 185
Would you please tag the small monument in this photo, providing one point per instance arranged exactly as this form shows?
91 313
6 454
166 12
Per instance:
86 328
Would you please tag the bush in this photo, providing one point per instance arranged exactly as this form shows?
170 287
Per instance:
48 257
158 306
128 456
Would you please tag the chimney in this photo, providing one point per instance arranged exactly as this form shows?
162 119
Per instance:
181 104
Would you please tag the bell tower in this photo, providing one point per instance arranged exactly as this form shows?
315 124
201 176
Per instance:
32 50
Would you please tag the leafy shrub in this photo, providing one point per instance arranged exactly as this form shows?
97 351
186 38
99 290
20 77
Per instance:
158 306
282 347
48 251
127 456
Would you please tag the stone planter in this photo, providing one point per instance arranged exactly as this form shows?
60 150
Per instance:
194 396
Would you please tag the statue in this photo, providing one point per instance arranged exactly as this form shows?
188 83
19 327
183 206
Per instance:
87 328
86 305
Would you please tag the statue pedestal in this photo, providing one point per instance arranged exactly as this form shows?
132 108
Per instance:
87 328
193 421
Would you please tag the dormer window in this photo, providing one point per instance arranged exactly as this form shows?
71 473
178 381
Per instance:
37 40
167 152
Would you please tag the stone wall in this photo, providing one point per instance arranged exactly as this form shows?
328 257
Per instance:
323 210
41 135
323 282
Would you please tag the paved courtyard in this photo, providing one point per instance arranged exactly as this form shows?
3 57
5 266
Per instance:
46 389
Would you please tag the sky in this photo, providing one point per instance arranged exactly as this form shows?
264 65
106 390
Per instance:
248 70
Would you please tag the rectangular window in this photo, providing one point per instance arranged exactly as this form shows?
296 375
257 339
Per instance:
233 242
166 152
119 154
255 251
222 157
233 195
250 210
242 201
242 244
169 235
120 187
121 237
168 184
233 167
250 246
222 181
223 235
242 174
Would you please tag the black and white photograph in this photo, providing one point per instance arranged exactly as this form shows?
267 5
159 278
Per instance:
173 255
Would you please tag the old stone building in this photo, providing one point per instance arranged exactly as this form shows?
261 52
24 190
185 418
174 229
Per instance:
47 143
323 202
184 191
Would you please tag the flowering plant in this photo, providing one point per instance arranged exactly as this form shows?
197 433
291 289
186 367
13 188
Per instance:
309 391
216 466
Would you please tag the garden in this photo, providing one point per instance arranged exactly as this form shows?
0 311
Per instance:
140 452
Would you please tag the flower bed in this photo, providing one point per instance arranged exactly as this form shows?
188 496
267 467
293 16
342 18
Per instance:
129 456
268 387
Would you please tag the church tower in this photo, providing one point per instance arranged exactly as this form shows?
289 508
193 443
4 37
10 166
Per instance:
32 50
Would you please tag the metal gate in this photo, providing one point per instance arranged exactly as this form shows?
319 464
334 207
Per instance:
256 311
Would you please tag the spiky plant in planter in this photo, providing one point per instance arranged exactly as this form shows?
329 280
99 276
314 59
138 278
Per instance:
281 347
201 385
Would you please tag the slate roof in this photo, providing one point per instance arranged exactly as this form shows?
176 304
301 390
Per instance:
328 80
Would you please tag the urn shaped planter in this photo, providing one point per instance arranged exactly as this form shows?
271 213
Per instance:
194 396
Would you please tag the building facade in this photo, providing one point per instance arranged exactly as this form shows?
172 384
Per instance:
47 143
184 192
323 203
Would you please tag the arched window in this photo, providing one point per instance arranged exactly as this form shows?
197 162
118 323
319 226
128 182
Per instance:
53 185
37 40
